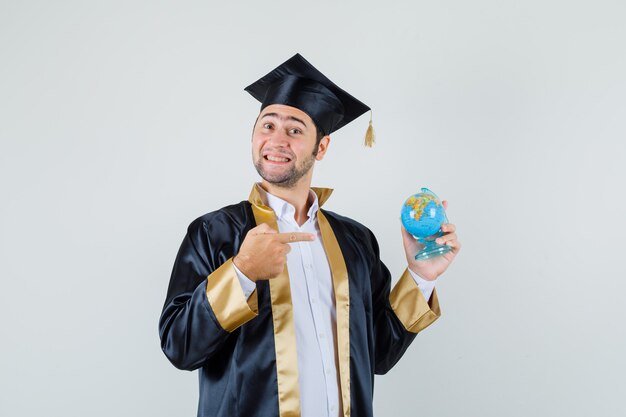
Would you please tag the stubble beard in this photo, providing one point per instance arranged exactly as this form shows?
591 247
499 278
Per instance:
289 178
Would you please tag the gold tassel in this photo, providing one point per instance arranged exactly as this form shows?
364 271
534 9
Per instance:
370 135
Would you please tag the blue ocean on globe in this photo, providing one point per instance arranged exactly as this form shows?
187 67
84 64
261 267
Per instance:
422 215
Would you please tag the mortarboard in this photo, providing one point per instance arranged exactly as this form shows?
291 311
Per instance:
299 84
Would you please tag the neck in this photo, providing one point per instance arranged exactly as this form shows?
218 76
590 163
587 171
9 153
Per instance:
297 196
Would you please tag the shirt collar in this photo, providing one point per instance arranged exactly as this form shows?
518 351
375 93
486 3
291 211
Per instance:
283 209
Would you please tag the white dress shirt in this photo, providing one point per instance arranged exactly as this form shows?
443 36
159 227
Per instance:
314 310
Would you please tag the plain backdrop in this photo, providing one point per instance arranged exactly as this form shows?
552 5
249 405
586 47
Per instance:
122 121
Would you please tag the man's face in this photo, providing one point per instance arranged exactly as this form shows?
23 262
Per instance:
283 145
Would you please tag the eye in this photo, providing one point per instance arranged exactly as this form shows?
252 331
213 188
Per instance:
267 125
295 131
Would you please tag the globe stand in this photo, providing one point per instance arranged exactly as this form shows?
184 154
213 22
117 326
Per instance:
431 249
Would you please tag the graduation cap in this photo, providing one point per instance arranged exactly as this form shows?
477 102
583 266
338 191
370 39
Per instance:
299 84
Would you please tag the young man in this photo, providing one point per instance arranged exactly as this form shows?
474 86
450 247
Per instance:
285 308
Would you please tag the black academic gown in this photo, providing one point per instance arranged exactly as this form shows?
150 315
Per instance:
245 349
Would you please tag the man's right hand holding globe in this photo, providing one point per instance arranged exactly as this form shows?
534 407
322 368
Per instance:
431 269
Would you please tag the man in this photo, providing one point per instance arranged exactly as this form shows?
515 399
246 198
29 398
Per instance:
284 308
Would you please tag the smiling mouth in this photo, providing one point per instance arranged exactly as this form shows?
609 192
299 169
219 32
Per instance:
276 158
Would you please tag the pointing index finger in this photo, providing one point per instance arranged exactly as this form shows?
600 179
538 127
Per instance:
262 229
295 237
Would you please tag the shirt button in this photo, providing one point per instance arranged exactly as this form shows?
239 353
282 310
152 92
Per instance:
313 300
327 371
321 335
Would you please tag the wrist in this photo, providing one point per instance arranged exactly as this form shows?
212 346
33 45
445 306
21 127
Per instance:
422 274
241 264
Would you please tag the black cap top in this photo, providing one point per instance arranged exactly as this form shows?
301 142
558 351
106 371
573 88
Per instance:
299 84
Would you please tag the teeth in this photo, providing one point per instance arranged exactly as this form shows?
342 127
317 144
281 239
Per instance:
277 159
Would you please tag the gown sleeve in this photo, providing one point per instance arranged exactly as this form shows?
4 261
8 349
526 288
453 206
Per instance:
205 302
399 314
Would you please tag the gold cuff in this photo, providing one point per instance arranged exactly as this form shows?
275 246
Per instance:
226 298
409 304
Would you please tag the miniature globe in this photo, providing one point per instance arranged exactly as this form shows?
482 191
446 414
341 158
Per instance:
422 216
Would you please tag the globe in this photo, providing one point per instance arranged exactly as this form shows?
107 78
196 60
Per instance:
422 215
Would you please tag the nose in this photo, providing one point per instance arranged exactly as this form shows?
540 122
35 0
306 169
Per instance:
278 138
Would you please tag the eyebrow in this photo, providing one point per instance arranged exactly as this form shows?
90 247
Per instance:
283 117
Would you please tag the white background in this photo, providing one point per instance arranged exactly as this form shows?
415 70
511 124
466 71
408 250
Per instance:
122 121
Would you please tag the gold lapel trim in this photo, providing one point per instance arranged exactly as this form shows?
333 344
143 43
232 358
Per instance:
284 326
341 286
322 194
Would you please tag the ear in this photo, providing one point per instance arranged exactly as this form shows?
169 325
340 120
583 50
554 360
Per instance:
322 148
